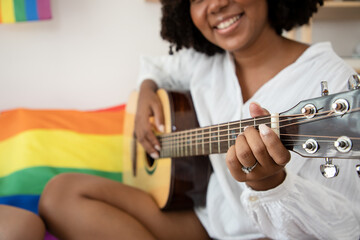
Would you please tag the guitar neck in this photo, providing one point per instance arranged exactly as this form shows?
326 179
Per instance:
327 126
209 140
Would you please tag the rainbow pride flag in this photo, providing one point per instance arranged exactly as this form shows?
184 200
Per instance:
24 10
36 145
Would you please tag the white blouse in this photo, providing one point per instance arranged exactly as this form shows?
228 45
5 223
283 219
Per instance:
306 205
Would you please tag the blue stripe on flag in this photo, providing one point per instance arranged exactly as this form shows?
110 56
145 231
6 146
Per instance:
31 10
28 202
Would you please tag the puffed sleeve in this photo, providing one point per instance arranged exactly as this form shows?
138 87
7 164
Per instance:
302 209
172 71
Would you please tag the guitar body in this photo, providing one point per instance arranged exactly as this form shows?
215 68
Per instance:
174 183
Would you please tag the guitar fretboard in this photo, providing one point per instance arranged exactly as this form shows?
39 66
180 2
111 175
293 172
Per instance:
206 140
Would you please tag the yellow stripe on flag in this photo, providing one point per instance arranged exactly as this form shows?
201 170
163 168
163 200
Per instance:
7 11
61 148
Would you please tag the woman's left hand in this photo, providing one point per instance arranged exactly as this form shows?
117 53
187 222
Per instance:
261 152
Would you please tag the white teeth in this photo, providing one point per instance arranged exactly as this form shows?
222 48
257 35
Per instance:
227 23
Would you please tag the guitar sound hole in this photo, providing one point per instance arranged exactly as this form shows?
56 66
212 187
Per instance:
150 161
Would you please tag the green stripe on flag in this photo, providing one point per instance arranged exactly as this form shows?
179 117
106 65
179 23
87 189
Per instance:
33 180
20 13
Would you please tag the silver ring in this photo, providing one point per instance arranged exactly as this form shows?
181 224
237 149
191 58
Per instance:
249 169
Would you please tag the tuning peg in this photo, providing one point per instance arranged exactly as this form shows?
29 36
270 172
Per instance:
329 170
354 82
324 88
358 169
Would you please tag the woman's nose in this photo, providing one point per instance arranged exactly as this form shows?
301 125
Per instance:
216 6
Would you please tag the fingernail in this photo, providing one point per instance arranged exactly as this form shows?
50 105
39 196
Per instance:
264 130
245 128
157 147
154 155
161 128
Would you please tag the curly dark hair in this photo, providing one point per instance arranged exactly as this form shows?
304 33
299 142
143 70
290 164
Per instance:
178 28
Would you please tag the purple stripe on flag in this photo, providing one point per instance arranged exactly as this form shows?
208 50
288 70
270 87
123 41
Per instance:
44 9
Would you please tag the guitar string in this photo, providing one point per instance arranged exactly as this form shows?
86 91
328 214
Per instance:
284 140
184 138
175 135
222 149
292 143
185 134
224 125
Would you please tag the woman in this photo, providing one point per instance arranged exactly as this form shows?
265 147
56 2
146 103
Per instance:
234 56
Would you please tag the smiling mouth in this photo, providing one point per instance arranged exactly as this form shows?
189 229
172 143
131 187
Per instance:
229 22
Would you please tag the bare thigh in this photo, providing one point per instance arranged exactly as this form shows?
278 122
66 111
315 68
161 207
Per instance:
106 209
20 224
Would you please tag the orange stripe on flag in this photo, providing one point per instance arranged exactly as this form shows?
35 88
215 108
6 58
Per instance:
96 122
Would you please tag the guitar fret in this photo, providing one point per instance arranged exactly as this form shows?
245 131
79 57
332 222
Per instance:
183 140
214 140
202 142
172 146
257 122
186 144
177 146
218 137
175 143
228 134
196 143
234 133
240 130
190 143
210 149
181 145
223 138
205 138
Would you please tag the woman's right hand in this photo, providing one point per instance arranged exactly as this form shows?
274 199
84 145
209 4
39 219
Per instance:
149 105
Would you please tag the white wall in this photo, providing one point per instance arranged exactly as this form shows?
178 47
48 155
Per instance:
341 26
86 57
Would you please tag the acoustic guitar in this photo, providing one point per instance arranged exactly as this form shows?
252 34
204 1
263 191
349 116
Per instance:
326 127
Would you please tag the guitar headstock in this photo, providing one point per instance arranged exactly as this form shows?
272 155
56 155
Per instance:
327 126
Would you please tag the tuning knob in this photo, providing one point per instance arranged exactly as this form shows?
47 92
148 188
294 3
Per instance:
311 146
324 88
343 144
309 110
354 82
329 170
340 106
